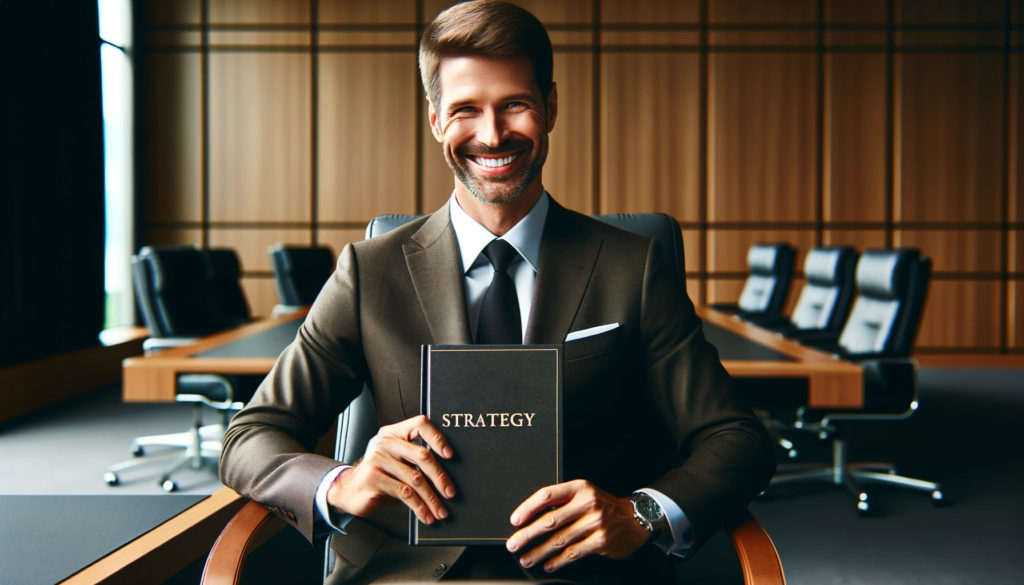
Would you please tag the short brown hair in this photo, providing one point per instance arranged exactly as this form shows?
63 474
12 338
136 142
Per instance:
487 28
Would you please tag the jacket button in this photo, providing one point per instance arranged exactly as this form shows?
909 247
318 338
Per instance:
440 570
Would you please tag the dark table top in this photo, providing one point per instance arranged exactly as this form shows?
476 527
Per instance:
733 346
48 538
265 344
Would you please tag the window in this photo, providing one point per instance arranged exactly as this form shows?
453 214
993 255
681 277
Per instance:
116 62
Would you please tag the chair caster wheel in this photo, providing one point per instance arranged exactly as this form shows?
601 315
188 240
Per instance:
111 478
863 507
168 485
137 450
791 453
937 498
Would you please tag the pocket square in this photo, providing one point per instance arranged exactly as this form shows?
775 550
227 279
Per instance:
590 332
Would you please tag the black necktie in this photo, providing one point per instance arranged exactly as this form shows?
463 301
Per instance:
499 314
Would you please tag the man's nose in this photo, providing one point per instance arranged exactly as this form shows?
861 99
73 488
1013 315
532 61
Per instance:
491 130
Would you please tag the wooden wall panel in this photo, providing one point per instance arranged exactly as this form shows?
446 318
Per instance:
727 248
261 294
961 314
812 121
569 172
260 137
956 251
172 167
854 159
258 12
378 12
367 135
762 12
860 239
252 244
649 159
949 138
761 137
658 12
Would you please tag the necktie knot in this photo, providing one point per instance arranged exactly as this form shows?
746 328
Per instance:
500 254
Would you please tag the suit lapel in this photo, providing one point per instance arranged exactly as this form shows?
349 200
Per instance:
568 253
433 260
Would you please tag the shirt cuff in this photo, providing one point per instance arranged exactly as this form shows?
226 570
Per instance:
679 540
328 520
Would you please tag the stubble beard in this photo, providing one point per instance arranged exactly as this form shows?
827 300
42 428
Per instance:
498 190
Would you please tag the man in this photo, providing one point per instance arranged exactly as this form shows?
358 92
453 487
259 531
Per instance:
658 450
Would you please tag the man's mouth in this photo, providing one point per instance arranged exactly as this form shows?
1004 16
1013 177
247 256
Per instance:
494 162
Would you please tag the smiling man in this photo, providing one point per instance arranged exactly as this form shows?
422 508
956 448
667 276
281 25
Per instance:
659 451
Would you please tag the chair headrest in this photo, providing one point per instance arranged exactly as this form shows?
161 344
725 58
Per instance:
174 264
825 265
767 258
383 224
884 273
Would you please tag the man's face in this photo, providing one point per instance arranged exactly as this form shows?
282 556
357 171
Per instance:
492 125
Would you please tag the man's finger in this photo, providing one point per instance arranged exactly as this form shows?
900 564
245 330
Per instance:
420 427
546 497
421 457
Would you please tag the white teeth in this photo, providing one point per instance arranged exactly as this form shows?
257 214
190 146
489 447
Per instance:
495 162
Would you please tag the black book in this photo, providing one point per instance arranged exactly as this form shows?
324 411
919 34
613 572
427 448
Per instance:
500 407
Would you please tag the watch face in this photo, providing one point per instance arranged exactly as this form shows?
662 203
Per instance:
649 508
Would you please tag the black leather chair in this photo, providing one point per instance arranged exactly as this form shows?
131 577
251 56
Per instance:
765 290
299 274
759 560
826 296
879 333
184 293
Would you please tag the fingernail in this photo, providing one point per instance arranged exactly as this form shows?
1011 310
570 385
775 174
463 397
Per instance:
449 492
515 519
442 513
526 562
511 545
550 568
446 452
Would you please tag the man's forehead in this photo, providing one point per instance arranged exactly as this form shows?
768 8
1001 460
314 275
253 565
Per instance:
468 74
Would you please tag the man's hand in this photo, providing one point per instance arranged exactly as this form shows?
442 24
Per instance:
396 469
571 520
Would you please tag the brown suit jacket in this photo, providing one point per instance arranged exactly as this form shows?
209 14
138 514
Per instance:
646 404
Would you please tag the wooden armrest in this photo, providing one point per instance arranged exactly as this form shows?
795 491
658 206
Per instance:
249 528
759 559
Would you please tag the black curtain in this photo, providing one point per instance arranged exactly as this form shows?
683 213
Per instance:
51 178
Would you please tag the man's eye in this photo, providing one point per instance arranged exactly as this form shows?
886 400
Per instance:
517 106
463 111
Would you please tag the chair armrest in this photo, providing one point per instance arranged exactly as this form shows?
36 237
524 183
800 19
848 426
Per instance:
758 556
246 530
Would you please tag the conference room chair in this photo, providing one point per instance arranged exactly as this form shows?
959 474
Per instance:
765 290
183 293
759 560
826 296
299 274
879 334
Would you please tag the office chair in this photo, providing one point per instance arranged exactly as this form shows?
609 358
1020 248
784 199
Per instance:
765 290
879 334
184 293
759 560
299 274
826 296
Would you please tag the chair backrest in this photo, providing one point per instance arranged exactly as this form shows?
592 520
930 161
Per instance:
183 291
224 273
771 268
825 298
886 314
300 272
662 227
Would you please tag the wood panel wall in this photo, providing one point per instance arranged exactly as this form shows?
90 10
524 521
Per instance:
874 123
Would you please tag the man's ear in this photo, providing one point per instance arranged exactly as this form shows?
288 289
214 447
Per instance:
435 122
552 106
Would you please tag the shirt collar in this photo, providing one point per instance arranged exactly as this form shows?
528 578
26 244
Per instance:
524 236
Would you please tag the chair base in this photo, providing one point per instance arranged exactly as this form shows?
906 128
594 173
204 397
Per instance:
852 475
198 447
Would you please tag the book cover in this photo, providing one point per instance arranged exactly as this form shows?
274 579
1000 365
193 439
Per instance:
501 409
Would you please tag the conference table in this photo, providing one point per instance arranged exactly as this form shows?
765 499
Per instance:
747 352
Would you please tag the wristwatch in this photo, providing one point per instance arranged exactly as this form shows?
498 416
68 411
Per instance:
648 513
